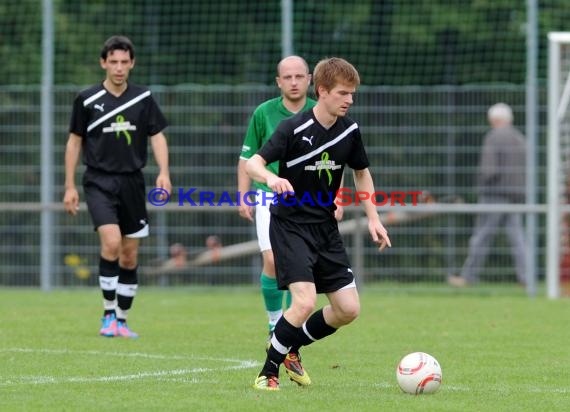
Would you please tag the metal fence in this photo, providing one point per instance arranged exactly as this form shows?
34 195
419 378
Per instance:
424 139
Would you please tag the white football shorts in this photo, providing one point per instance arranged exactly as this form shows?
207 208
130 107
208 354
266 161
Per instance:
262 216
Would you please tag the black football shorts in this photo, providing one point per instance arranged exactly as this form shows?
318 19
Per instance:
117 198
311 252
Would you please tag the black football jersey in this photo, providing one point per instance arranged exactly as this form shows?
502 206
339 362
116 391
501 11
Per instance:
115 130
312 159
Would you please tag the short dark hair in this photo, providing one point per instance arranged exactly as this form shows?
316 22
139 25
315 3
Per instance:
334 70
117 43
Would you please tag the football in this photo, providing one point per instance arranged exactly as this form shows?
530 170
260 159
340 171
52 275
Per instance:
419 373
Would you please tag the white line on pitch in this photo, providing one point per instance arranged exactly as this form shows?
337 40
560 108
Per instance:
116 354
39 380
42 380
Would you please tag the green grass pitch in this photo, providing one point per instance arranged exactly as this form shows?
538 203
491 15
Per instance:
201 348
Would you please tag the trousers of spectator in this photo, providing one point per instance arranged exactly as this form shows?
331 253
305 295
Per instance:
486 228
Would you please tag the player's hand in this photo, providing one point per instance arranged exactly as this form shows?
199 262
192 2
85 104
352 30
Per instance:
71 201
163 182
246 211
379 234
279 185
339 213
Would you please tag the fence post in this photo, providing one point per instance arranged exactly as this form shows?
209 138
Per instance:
47 186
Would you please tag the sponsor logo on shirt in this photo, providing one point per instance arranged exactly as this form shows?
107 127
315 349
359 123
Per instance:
326 165
121 127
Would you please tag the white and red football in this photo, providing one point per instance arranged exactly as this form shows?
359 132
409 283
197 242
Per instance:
419 373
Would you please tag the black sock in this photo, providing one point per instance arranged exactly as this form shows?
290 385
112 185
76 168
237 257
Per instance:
284 337
314 329
126 291
108 275
272 362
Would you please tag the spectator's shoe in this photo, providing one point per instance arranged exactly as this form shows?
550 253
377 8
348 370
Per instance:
295 370
124 331
457 281
109 326
266 383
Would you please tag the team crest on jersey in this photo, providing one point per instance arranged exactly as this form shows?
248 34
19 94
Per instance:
324 165
121 127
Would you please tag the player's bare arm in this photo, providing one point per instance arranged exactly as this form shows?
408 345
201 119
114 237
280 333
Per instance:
72 152
363 181
244 183
256 170
160 151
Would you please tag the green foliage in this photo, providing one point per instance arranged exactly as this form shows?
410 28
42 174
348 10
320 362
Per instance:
227 42
20 48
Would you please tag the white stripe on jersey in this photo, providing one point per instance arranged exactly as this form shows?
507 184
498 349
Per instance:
94 97
323 147
303 126
118 109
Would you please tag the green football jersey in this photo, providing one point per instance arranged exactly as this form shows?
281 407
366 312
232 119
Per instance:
263 123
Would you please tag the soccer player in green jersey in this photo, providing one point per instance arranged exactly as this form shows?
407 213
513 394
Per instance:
293 79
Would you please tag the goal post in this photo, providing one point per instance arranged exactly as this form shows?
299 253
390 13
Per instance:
558 157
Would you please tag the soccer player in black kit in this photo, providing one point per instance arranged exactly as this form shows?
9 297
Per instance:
313 148
111 124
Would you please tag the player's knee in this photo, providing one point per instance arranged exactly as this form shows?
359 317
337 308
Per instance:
129 256
269 264
349 312
268 260
304 308
111 248
128 260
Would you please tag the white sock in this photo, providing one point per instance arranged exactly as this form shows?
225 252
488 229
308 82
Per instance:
274 317
122 313
110 304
